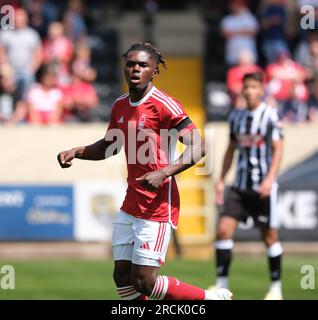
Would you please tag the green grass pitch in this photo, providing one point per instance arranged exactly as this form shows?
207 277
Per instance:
73 279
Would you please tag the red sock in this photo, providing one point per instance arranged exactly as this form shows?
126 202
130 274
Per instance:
168 288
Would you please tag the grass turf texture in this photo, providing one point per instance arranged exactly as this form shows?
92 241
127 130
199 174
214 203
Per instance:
93 279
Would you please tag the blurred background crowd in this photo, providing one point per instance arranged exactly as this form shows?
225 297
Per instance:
61 62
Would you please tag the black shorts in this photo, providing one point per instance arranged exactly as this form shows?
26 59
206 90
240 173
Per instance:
241 204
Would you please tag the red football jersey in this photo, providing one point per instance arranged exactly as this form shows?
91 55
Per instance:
144 126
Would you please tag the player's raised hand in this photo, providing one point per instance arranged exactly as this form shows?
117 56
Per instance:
152 180
219 193
65 158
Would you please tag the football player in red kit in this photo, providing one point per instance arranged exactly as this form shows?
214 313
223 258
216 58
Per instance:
140 121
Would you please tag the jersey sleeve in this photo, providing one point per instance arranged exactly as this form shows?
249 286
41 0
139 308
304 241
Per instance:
276 127
173 116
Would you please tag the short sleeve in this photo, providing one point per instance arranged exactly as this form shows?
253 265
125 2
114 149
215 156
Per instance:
172 114
276 126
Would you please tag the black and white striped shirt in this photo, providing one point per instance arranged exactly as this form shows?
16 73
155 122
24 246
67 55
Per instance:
253 132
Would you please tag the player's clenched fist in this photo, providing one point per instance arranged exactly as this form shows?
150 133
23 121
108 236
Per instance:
65 158
152 180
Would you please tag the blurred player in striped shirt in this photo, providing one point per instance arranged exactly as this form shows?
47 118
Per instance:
257 135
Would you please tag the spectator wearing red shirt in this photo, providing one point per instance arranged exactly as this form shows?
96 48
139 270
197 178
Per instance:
235 76
287 85
58 52
82 63
286 76
57 47
80 99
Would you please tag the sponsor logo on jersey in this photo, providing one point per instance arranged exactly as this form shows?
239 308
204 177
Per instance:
250 140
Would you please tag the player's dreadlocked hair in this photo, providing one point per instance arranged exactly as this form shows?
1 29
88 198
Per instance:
151 49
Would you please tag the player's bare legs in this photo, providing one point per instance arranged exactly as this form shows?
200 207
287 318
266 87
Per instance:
122 272
274 252
122 279
226 228
223 250
145 279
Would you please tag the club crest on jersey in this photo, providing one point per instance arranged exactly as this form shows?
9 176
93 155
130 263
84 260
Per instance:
141 122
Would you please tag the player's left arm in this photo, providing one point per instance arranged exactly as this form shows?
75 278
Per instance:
277 153
194 152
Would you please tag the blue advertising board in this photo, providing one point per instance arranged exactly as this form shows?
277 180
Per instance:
36 212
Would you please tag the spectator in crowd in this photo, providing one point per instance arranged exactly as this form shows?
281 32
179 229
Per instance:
44 100
41 14
21 49
82 63
57 47
239 29
313 103
302 52
58 52
293 109
311 64
273 22
287 85
6 94
305 36
80 100
235 76
10 111
74 22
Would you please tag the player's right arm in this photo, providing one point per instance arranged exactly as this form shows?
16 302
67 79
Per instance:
100 150
227 162
95 151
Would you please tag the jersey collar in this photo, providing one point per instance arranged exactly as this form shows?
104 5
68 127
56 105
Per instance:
144 99
260 108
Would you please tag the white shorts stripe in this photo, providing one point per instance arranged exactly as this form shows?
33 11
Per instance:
141 241
162 237
158 236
